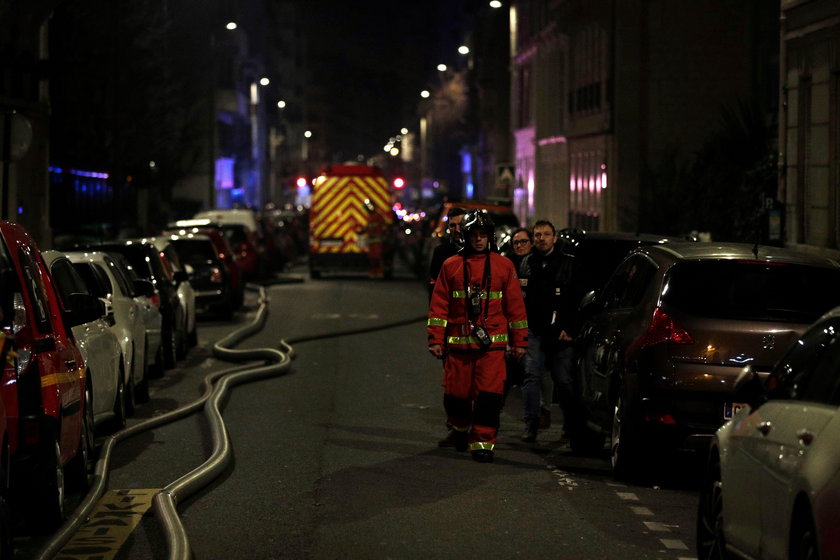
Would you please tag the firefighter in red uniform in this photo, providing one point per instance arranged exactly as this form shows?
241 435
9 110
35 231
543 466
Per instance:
375 233
476 311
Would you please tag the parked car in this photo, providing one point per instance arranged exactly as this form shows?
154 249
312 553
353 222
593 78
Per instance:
216 285
186 294
100 348
600 252
106 280
148 299
47 391
239 222
773 472
245 250
148 263
6 522
668 334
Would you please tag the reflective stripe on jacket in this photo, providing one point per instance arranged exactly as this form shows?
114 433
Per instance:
448 322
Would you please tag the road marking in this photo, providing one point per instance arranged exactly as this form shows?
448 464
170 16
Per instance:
110 524
656 526
628 496
564 479
641 510
673 544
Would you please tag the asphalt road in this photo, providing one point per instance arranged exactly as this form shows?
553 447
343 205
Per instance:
337 459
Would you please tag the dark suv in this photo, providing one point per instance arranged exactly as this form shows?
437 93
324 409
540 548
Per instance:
669 333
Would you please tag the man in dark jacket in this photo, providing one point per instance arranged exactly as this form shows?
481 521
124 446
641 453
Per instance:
448 246
551 283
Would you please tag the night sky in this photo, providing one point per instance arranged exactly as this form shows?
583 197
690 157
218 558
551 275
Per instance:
372 59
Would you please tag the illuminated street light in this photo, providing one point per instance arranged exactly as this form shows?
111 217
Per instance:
441 67
281 104
403 130
425 93
231 25
264 81
464 49
394 151
307 134
495 4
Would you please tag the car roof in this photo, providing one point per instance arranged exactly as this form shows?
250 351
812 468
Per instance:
711 250
473 205
627 236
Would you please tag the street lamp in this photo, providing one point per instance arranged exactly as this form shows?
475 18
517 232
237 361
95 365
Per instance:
264 81
281 104
441 67
495 4
464 49
425 94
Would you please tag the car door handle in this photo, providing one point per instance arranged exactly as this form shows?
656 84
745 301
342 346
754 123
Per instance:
765 428
805 436
71 364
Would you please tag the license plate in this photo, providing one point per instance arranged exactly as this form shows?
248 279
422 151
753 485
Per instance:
731 409
333 242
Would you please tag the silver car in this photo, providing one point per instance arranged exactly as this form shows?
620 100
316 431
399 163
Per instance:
107 281
773 472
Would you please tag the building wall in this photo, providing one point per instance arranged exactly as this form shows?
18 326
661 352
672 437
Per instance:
810 129
622 86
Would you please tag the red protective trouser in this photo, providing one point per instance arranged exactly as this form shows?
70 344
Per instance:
473 383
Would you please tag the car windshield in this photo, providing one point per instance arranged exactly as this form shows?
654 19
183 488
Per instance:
136 257
194 250
733 289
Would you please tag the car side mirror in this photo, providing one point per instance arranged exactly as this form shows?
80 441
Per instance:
588 300
749 388
143 287
83 308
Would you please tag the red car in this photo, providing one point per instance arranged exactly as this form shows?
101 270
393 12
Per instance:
225 252
46 389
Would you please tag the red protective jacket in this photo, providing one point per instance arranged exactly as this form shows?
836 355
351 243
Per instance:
502 304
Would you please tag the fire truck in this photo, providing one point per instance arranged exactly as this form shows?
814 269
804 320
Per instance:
344 201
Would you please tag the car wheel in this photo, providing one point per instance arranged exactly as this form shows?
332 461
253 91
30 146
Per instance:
156 369
170 348
181 346
711 543
80 468
120 404
192 338
131 395
624 441
803 536
46 511
6 536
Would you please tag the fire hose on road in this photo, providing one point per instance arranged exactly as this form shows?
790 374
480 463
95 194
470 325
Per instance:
216 388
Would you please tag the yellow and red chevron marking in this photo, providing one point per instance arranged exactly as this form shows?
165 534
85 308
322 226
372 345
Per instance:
338 209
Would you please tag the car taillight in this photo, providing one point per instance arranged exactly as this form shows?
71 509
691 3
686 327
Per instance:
663 329
666 419
216 275
155 299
